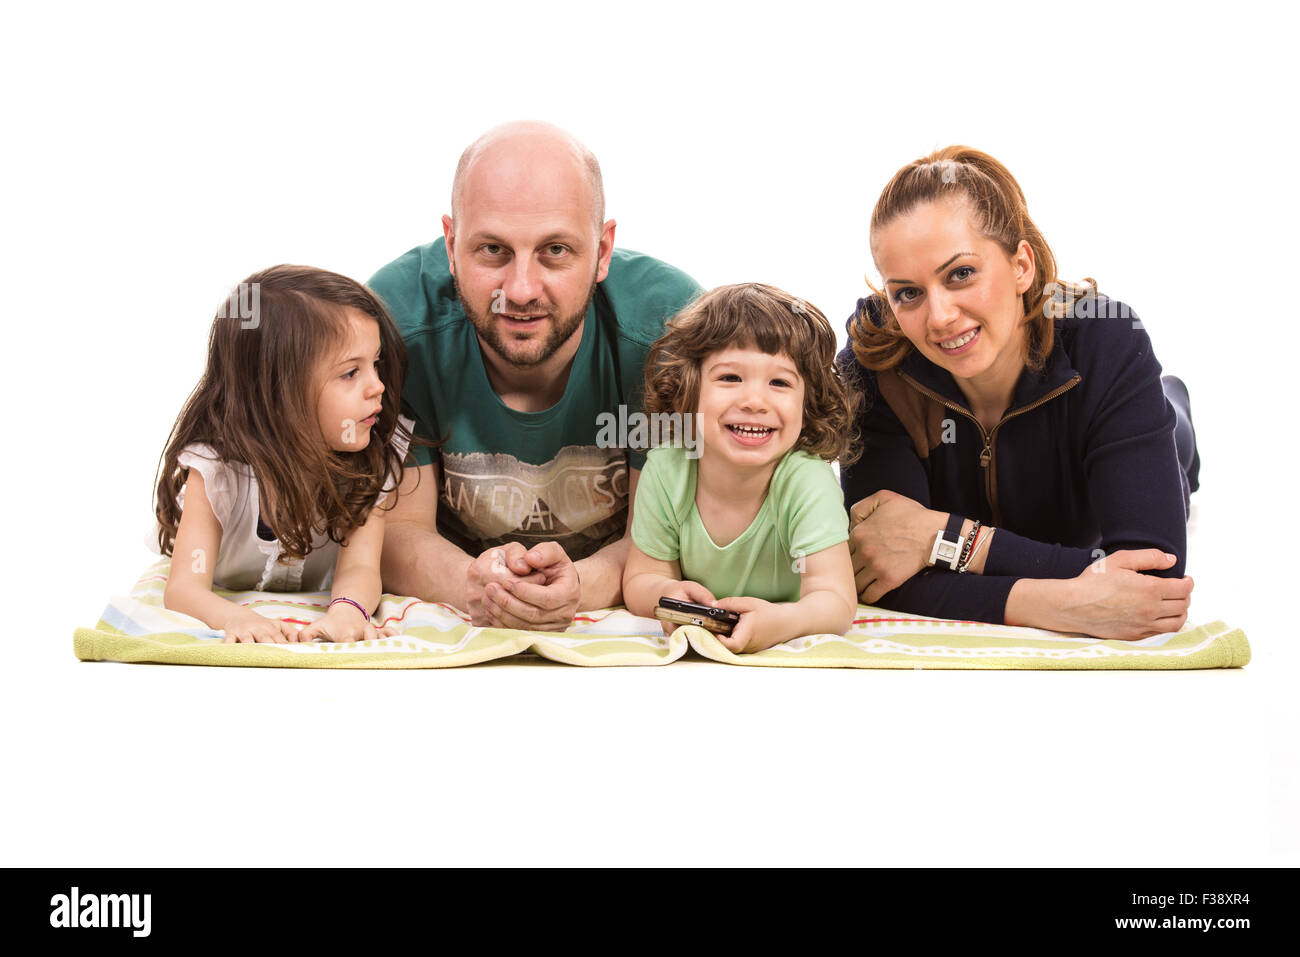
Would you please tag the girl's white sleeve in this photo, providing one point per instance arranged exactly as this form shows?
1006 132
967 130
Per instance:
218 481
402 444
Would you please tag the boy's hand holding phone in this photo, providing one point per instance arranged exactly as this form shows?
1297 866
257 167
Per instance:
760 625
686 591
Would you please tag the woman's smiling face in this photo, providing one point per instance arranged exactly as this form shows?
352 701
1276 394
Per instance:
956 293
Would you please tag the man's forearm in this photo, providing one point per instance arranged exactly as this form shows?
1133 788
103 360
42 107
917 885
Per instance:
601 575
421 563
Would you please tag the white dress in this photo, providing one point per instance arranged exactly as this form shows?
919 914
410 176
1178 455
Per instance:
247 562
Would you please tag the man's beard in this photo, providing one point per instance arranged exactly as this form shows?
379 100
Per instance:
524 353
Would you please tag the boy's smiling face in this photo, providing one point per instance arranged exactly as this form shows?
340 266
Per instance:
751 407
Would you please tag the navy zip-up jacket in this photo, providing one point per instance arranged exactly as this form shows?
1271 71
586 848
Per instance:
1082 463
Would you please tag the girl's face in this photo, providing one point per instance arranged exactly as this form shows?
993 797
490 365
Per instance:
751 407
956 292
350 397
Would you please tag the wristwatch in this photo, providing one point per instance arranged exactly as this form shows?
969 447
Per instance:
948 543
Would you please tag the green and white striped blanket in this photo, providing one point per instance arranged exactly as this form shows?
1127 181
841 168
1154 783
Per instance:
137 628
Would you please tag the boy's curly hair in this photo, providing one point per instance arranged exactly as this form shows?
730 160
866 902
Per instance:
756 316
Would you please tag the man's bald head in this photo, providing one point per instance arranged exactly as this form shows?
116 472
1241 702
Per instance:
498 154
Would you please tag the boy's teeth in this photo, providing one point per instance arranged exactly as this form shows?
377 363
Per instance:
959 341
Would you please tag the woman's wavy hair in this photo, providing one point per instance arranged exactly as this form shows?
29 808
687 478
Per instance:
756 316
257 404
1000 213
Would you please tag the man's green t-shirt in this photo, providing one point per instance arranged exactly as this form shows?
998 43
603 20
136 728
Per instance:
802 515
528 477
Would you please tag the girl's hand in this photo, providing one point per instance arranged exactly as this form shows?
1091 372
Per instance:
248 626
757 629
1112 599
686 591
344 623
890 539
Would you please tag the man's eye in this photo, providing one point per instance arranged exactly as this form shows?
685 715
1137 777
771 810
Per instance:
557 249
904 295
492 249
961 273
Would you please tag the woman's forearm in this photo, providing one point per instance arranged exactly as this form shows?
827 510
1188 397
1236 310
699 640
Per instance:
1043 603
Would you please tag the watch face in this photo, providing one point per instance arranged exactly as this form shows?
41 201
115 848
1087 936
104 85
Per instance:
947 550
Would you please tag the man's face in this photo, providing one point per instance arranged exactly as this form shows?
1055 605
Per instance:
525 252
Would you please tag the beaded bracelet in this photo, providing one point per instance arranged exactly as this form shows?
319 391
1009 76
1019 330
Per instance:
364 614
966 549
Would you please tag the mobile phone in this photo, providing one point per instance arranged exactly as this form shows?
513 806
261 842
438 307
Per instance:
717 620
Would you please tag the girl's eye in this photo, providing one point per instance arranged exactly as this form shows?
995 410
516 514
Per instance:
352 374
904 295
781 383
961 273
728 377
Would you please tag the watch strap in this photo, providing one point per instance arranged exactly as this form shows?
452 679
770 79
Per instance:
947 547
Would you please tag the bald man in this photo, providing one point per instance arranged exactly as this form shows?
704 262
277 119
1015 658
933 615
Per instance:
523 327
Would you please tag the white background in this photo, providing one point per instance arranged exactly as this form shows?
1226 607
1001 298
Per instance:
154 156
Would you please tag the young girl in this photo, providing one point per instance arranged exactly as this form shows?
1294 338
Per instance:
754 514
279 457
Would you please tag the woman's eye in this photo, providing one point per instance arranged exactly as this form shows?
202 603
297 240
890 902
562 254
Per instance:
961 273
904 295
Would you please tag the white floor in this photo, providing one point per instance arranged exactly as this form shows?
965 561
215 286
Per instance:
533 762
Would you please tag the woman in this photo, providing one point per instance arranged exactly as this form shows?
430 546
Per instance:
1020 463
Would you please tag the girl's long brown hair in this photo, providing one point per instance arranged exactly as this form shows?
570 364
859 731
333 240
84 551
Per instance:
257 400
998 205
754 315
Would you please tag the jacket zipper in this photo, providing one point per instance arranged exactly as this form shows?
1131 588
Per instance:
987 462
